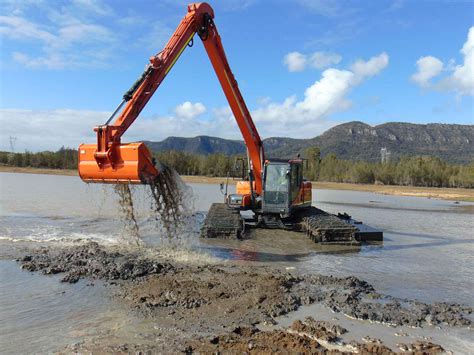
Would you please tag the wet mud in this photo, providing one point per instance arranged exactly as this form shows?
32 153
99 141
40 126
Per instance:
92 261
307 336
214 307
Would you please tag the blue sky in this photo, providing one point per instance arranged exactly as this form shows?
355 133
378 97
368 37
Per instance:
303 67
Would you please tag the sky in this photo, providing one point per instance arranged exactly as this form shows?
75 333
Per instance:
303 66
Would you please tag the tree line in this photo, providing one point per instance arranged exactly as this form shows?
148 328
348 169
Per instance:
426 171
64 158
409 171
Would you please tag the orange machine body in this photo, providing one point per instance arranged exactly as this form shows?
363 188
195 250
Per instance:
132 163
243 187
305 195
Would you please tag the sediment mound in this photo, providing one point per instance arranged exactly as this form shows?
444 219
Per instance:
304 337
358 299
93 261
232 295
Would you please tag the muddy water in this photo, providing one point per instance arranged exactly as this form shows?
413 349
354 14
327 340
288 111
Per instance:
428 251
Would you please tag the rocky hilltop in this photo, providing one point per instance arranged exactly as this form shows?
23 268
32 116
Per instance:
353 140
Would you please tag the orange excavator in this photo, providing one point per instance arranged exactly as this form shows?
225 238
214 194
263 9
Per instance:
274 190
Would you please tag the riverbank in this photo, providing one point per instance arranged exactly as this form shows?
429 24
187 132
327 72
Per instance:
451 194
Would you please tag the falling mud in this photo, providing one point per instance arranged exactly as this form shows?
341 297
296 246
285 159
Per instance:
171 200
171 205
131 232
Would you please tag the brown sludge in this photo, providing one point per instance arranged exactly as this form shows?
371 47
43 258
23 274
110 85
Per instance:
199 306
305 337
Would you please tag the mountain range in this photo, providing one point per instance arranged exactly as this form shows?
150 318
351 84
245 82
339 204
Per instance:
353 141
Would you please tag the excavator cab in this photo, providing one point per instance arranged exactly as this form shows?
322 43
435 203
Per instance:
284 188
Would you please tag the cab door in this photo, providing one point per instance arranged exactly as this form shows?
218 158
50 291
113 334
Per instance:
295 182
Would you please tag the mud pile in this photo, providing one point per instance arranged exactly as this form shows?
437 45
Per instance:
92 261
232 295
358 299
307 336
250 340
218 295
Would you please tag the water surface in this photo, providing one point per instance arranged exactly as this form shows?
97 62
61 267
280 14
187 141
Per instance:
428 251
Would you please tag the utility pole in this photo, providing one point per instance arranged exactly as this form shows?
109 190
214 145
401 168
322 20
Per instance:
12 144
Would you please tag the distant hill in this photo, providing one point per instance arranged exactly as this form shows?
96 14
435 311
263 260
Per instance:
352 141
199 145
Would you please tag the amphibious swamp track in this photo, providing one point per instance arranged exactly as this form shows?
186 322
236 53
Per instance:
321 227
325 228
222 222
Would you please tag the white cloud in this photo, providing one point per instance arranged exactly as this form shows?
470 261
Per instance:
462 79
303 118
82 32
295 61
51 61
459 78
428 68
373 66
94 6
48 129
19 28
321 60
156 37
328 8
38 130
189 110
308 117
68 37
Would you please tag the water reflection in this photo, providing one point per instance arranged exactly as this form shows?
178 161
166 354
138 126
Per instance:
259 256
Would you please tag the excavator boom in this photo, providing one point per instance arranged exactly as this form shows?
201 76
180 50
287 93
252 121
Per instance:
110 161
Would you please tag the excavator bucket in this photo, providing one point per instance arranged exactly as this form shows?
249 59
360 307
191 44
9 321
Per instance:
127 163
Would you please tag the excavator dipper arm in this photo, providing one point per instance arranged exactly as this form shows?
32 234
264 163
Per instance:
110 161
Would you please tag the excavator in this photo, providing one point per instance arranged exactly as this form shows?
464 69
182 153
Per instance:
274 190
